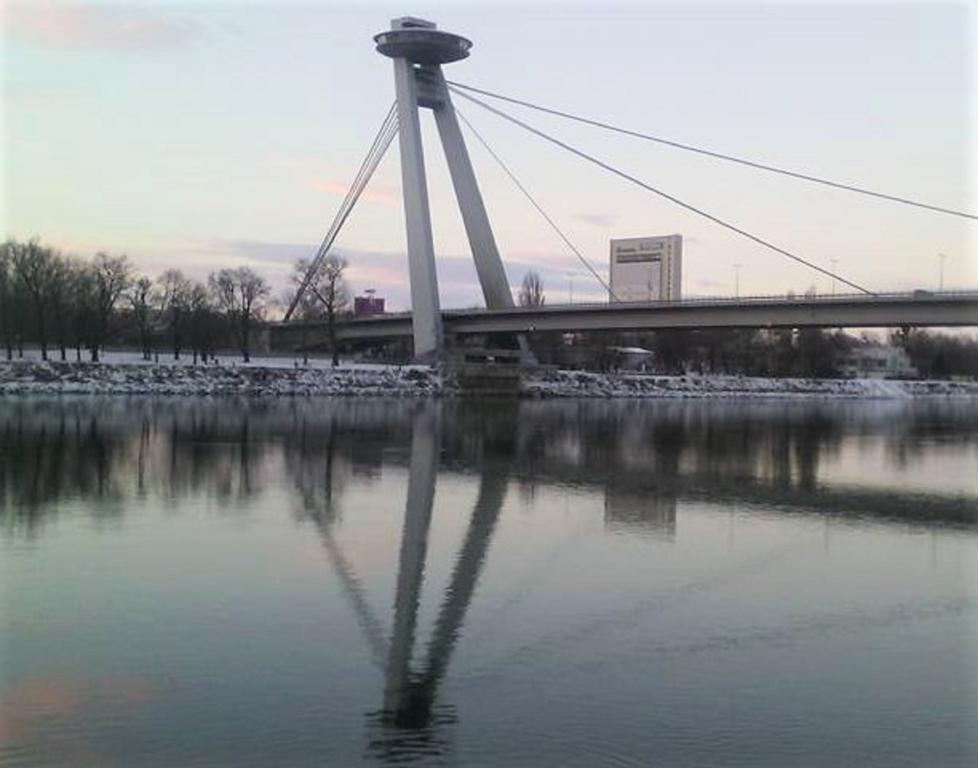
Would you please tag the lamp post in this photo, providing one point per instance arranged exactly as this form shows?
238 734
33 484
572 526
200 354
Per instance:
941 257
833 262
736 281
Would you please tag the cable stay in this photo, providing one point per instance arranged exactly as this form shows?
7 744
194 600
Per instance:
716 155
648 187
382 141
535 204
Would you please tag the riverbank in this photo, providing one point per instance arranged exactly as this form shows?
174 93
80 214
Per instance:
259 380
55 378
582 384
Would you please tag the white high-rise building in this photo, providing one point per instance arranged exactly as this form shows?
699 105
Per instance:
647 268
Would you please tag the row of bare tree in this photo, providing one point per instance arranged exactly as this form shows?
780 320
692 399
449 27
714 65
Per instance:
60 302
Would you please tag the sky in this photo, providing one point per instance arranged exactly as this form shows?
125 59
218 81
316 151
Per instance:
202 135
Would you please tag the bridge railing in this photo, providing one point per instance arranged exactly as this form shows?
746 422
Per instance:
827 298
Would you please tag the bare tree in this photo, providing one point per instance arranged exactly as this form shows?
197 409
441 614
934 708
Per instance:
174 298
60 300
8 299
241 295
141 299
110 279
309 306
329 290
199 315
81 289
531 292
334 295
34 266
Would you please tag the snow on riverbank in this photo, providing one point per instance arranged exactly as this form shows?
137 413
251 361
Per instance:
214 379
54 378
581 384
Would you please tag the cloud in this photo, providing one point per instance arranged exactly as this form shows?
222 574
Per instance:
602 220
375 191
92 27
386 271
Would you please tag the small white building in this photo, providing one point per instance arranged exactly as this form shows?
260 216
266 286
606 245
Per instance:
632 358
646 268
877 361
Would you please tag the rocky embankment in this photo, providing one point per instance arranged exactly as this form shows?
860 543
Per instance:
107 378
54 378
582 384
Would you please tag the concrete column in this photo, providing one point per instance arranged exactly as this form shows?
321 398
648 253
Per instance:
426 312
488 264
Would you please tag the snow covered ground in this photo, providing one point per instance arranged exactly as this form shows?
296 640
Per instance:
229 359
256 379
581 384
124 373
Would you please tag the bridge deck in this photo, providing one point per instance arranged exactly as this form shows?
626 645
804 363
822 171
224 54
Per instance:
859 311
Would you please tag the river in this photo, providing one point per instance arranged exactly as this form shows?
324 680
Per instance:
300 582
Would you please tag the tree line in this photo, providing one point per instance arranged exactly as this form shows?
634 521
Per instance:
60 302
64 304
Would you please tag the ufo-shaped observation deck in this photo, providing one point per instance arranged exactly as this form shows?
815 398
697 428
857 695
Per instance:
422 44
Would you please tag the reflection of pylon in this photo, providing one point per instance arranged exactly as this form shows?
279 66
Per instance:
404 689
419 49
410 695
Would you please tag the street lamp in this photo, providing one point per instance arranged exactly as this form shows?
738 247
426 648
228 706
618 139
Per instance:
833 262
941 257
736 281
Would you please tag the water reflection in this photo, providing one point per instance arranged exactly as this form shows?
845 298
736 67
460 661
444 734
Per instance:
411 723
645 459
410 720
644 456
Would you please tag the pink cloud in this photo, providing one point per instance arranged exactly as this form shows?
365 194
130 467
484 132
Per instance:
375 192
58 25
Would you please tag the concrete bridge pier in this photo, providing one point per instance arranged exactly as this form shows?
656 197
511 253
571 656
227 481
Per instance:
419 50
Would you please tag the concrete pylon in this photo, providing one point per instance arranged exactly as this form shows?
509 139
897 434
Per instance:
419 49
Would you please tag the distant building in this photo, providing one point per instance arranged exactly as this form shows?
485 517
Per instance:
368 304
646 268
631 358
877 361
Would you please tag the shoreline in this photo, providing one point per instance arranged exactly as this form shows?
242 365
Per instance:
19 378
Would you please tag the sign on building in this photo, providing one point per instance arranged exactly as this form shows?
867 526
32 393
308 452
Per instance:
646 268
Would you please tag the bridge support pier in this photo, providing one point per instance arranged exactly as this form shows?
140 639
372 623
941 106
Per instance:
419 49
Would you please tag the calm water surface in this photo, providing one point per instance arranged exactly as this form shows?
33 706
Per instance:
337 583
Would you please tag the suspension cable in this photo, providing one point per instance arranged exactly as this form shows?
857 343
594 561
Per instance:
535 204
648 187
378 148
717 155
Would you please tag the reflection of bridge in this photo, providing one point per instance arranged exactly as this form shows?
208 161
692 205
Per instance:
857 311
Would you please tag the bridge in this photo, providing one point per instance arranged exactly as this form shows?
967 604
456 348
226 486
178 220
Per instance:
418 50
920 308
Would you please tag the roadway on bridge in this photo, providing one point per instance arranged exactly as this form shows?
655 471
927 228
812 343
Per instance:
920 308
